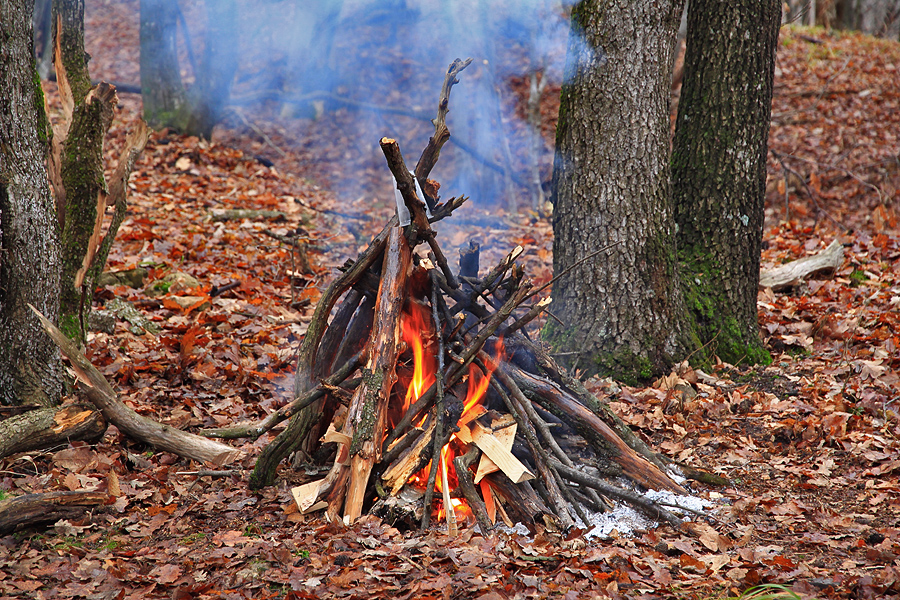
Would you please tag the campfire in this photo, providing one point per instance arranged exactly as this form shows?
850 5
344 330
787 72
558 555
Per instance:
454 413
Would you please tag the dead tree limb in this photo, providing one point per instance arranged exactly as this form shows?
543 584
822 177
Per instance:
40 508
46 427
792 273
101 394
432 151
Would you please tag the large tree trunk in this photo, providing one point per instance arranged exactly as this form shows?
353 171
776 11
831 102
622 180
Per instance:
30 368
719 168
622 311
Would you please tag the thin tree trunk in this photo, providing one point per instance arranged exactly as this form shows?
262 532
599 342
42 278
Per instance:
622 313
162 92
81 167
30 368
719 168
219 65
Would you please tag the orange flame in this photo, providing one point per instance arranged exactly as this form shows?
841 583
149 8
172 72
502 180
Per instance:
413 326
479 382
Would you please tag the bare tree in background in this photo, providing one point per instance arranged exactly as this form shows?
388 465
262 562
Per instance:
167 102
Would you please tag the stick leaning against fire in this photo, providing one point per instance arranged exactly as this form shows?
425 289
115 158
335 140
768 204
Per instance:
488 419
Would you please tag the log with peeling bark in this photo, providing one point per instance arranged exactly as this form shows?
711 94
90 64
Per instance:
46 427
160 436
30 509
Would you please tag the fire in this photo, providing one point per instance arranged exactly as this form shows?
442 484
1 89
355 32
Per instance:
479 382
413 326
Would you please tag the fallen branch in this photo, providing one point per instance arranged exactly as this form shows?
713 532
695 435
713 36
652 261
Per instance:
790 274
160 436
41 508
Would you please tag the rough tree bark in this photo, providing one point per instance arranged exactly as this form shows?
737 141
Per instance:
30 368
622 313
719 168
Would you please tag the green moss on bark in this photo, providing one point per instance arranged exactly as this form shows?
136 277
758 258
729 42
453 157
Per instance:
723 333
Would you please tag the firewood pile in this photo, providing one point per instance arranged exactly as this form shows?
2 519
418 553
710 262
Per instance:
421 390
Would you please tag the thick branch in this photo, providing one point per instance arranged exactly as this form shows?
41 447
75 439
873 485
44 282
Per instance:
129 422
790 274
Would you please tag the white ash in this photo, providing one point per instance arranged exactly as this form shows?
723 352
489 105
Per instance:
626 520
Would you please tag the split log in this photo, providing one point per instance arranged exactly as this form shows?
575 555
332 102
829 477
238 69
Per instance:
792 273
522 503
160 436
367 415
48 427
40 508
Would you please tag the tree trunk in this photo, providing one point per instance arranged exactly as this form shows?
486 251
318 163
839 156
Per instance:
167 103
622 311
161 89
71 43
719 168
875 17
30 368
81 169
213 88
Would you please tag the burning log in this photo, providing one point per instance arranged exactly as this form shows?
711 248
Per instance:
441 420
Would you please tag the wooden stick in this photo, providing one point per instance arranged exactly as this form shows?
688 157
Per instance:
574 386
467 487
407 187
254 430
528 317
432 151
449 511
441 417
101 394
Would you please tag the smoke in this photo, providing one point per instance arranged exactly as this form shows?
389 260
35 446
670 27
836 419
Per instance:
375 67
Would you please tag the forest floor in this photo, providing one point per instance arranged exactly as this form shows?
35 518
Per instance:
810 444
